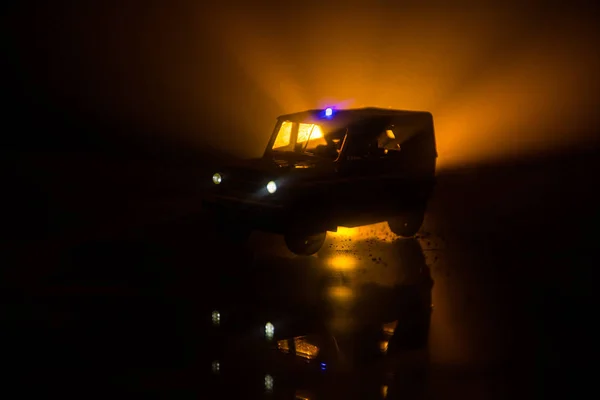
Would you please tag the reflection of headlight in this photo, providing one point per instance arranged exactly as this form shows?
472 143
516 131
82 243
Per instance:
217 178
271 187
269 383
269 331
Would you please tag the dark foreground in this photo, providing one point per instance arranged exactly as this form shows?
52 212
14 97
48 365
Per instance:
491 300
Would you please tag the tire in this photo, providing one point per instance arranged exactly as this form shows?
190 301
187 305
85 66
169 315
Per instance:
303 244
407 225
306 231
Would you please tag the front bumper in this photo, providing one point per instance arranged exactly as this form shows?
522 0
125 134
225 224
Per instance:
260 214
237 203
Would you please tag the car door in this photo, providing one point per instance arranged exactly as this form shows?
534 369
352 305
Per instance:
358 171
402 162
389 156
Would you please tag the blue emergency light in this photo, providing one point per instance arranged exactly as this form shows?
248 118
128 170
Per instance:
328 112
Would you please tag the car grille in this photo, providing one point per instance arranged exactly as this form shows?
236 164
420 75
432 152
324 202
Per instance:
243 187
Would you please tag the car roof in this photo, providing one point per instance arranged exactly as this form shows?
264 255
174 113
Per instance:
346 117
351 114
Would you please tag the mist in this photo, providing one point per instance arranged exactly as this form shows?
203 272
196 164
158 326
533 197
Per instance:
501 82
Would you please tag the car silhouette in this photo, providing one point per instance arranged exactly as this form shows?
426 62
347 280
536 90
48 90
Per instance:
327 168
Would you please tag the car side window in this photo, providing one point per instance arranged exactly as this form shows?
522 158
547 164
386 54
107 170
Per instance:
374 147
358 149
387 142
374 144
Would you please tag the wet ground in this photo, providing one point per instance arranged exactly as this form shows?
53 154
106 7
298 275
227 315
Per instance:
490 300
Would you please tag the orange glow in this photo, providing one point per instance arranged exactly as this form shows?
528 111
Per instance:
383 346
305 349
283 346
390 327
306 133
309 132
302 395
284 135
350 253
498 81
341 293
384 391
380 231
342 262
343 231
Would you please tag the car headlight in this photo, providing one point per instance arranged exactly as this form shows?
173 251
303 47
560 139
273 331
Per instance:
217 178
271 187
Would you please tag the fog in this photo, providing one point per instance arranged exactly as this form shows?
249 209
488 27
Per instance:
500 81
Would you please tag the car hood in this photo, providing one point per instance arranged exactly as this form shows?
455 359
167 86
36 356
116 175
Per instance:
280 163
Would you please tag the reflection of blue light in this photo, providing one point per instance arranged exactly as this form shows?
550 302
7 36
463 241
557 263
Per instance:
328 112
323 366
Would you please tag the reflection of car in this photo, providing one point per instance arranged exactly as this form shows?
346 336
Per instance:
322 166
341 346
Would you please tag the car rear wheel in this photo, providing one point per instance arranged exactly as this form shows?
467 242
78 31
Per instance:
304 244
408 224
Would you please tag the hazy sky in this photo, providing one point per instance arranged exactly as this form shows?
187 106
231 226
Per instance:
499 80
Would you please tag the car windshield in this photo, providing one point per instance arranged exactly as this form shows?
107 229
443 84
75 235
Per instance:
307 138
